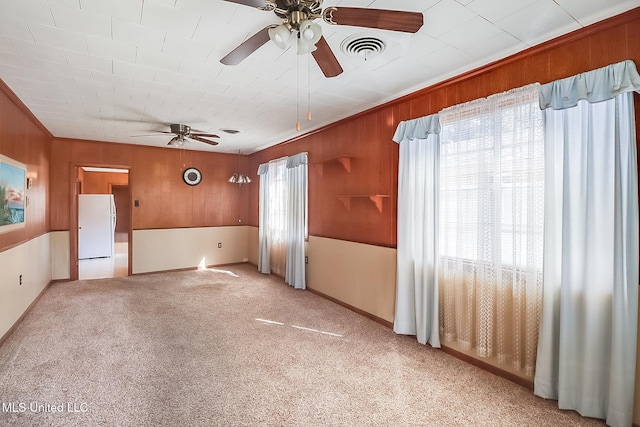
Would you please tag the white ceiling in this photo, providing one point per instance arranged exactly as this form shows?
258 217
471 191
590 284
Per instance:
111 70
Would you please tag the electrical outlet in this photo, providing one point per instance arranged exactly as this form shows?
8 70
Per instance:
219 245
306 260
21 280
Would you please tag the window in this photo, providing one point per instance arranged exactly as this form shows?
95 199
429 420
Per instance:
491 226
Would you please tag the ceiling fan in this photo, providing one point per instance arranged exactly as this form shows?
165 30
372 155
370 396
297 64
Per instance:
183 132
299 19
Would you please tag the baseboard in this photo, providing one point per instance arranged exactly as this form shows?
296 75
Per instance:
488 367
352 308
177 270
33 303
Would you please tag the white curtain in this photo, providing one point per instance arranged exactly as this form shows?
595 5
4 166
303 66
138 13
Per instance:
417 255
264 240
587 350
296 220
491 226
283 218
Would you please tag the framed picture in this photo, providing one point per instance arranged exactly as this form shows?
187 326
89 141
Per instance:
13 179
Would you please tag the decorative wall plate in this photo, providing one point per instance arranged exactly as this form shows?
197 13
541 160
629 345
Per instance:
192 176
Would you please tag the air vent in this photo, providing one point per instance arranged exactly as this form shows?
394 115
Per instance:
360 46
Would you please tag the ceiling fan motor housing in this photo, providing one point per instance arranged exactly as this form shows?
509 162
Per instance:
295 12
180 129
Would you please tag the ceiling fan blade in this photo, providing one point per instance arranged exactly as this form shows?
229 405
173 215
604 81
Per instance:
247 47
394 20
252 3
208 135
326 59
206 141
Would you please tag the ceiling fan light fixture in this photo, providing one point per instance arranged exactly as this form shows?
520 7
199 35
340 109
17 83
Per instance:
304 47
310 32
280 36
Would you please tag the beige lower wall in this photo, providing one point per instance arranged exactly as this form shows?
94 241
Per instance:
172 249
59 241
253 245
363 276
32 260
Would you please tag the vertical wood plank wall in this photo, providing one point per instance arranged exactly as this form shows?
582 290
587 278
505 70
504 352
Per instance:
101 182
165 201
24 141
367 136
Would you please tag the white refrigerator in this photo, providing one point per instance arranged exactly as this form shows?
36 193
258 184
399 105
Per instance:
96 225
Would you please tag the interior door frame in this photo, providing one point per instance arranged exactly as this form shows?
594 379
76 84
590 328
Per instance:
73 214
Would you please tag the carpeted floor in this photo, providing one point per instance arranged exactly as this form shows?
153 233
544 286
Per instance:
231 347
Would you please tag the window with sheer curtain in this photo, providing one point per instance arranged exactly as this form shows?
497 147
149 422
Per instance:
278 215
491 226
283 218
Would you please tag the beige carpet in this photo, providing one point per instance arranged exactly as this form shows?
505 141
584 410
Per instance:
210 348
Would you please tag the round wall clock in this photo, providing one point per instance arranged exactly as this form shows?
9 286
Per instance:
192 176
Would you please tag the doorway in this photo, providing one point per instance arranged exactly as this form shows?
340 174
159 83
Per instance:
102 202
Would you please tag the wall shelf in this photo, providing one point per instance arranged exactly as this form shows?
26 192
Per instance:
376 199
343 160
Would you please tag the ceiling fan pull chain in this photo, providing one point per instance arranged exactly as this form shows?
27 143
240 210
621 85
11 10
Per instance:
308 87
297 93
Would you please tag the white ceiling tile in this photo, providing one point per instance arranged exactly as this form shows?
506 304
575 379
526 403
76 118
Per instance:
158 60
200 70
494 11
68 3
498 46
137 35
79 21
408 5
202 85
89 87
124 10
186 48
445 16
590 11
473 31
57 37
36 11
6 45
116 81
16 28
538 22
135 71
169 19
109 49
173 79
88 62
40 52
66 70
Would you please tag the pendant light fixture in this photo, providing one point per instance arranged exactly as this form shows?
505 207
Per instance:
238 177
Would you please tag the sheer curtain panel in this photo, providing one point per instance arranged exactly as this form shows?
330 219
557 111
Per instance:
587 350
491 207
272 234
417 254
296 220
283 218
264 241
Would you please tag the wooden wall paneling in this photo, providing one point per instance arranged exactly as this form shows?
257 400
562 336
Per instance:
568 55
570 59
59 193
419 107
468 90
101 182
25 140
606 48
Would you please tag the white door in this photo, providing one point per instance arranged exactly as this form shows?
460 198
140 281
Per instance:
96 221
